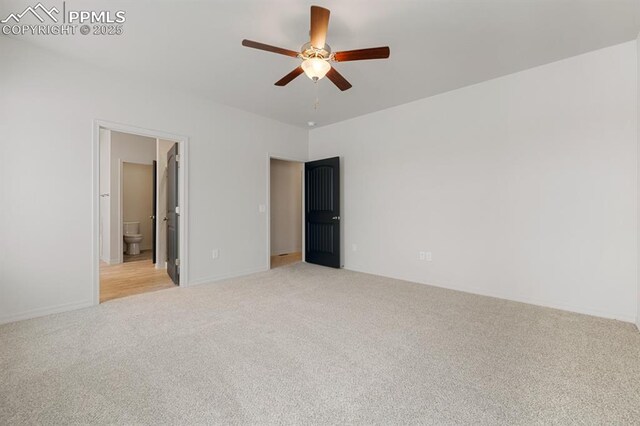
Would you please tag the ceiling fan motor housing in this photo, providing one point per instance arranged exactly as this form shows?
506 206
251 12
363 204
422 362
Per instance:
308 51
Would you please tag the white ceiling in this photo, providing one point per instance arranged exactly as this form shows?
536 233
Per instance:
436 46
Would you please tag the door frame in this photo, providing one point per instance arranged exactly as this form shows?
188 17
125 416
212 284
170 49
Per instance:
154 220
301 160
183 196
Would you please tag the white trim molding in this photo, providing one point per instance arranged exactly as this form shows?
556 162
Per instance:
218 278
512 297
46 311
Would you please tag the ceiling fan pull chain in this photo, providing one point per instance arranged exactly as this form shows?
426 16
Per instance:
316 104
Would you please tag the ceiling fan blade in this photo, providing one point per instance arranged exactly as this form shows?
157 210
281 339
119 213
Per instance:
289 77
268 48
361 54
319 26
338 79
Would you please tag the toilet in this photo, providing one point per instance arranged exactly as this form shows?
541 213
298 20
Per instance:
132 237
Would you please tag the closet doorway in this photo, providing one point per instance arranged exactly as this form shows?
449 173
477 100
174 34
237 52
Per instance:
286 212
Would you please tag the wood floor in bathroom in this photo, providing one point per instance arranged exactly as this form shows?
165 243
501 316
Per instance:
134 276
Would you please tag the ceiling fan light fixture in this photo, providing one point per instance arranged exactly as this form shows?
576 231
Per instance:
316 55
315 68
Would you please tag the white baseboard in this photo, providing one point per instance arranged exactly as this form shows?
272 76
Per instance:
216 278
520 299
34 313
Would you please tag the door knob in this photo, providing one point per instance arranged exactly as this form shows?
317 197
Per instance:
164 220
336 218
152 217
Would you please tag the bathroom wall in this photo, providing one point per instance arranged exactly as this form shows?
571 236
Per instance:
286 207
132 149
163 148
137 199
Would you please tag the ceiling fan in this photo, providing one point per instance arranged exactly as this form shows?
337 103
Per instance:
317 55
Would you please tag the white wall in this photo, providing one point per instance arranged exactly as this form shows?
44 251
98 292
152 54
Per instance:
286 207
523 187
137 200
46 114
129 148
105 196
163 148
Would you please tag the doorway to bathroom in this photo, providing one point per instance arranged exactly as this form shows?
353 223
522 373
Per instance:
285 211
141 231
138 211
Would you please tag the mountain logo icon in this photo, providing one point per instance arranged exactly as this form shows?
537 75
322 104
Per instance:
38 11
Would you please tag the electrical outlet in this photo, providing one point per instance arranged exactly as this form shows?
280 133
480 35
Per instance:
262 208
215 253
354 247
424 255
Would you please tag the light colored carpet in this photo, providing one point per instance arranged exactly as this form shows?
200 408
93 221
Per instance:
304 344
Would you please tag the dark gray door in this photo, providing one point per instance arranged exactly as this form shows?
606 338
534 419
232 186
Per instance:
322 212
173 216
155 209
